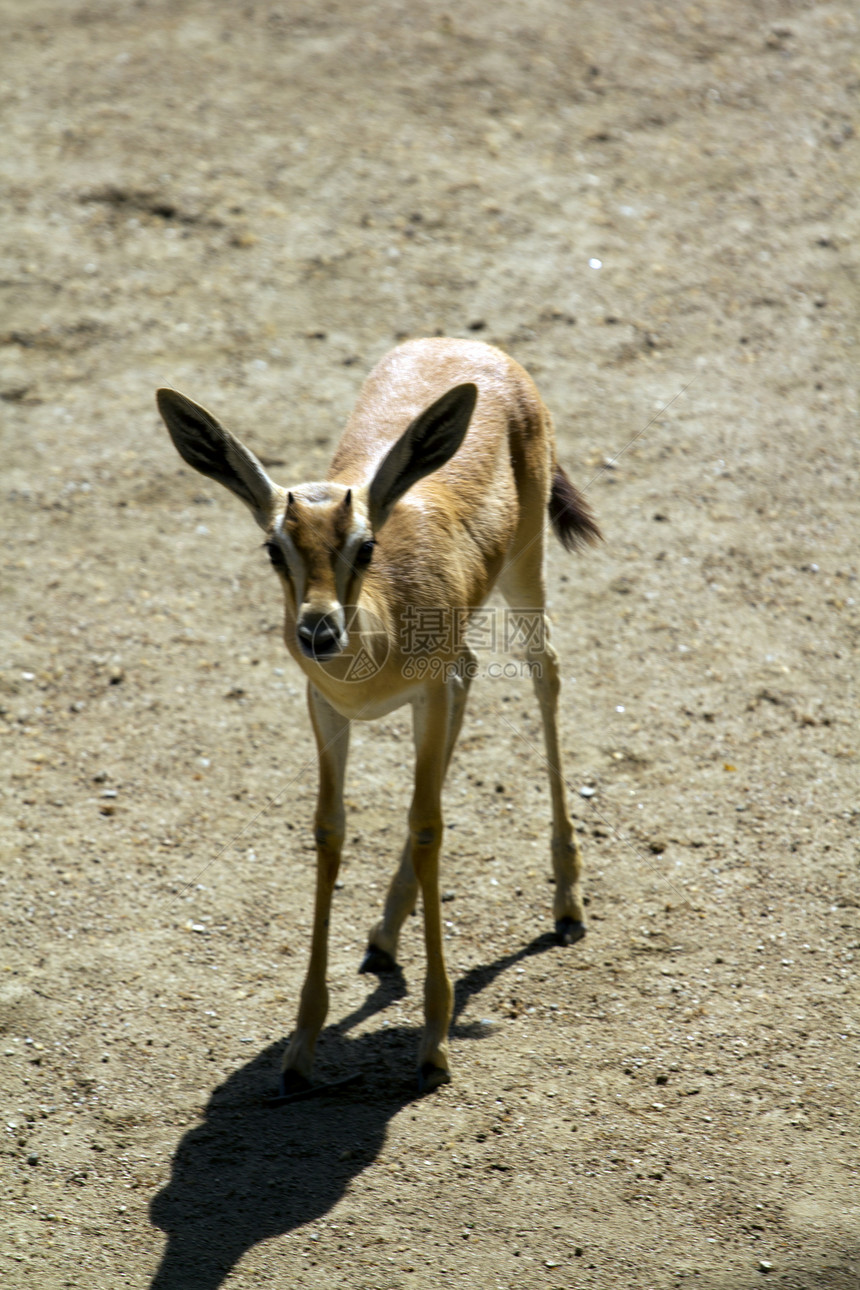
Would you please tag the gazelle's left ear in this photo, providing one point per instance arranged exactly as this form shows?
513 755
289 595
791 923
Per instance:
207 446
431 440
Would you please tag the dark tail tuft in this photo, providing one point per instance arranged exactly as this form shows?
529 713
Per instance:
570 514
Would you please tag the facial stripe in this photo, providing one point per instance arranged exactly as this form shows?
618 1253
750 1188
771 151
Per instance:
295 563
321 538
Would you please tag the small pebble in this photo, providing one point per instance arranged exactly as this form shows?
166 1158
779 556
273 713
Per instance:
585 791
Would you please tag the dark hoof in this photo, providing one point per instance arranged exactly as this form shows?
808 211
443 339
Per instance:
568 930
291 1083
430 1077
377 961
295 1088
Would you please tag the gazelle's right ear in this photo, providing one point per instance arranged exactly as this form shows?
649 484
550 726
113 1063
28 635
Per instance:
204 444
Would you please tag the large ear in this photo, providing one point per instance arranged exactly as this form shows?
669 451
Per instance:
215 452
431 440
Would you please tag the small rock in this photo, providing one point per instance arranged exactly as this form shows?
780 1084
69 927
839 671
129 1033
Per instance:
764 1266
32 1159
586 791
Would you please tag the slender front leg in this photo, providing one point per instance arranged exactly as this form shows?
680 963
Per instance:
432 718
332 735
381 955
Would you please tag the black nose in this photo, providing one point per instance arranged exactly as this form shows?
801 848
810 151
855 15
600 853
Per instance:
318 640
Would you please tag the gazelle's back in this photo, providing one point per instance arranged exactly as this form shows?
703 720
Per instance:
503 466
417 373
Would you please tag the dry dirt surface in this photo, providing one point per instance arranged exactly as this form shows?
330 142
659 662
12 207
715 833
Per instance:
653 207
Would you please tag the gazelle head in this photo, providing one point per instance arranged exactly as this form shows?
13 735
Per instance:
320 536
321 546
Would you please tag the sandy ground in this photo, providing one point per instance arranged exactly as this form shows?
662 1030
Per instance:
653 207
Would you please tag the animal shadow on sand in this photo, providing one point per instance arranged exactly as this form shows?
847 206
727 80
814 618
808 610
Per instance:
251 1171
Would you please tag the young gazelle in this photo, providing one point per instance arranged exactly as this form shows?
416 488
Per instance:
439 489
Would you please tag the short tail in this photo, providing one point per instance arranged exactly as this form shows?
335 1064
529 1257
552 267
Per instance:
570 514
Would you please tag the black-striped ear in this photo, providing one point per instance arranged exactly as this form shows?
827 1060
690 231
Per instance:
431 440
203 443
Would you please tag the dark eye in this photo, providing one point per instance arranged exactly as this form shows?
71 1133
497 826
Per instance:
276 555
364 554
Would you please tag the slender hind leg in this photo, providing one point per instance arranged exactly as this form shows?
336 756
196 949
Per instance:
381 953
402 894
522 585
